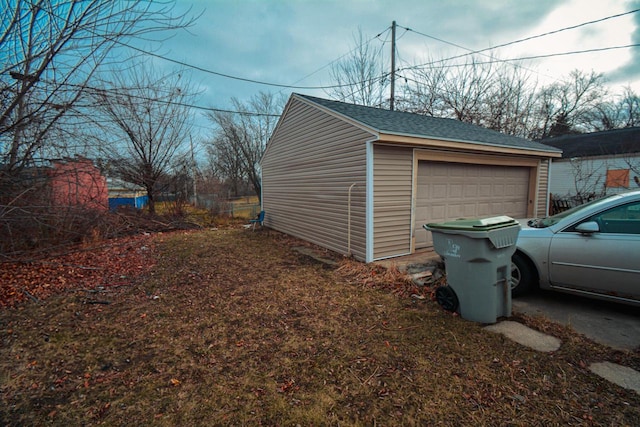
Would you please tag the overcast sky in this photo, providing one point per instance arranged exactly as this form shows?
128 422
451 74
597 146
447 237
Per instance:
293 42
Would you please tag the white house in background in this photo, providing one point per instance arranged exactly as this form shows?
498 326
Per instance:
595 164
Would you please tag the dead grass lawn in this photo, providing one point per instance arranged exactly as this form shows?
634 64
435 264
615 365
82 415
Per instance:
232 327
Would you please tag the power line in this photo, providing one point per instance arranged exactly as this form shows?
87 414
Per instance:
378 79
473 52
195 67
575 52
377 36
573 27
228 76
168 102
524 58
293 86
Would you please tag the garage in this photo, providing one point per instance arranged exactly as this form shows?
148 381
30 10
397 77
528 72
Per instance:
447 191
362 181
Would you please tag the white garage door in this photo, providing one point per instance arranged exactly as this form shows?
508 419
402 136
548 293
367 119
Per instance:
448 191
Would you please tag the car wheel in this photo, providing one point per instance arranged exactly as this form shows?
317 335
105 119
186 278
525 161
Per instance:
447 298
523 277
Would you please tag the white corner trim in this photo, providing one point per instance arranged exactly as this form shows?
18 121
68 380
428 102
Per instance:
369 202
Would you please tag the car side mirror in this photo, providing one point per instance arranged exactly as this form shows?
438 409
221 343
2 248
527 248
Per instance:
588 227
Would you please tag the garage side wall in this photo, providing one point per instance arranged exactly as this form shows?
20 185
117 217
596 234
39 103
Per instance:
543 188
392 177
311 162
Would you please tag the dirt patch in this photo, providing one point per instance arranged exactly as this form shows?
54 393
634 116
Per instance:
232 327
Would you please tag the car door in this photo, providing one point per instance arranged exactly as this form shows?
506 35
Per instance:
604 261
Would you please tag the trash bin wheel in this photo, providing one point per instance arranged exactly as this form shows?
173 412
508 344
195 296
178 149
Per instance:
447 298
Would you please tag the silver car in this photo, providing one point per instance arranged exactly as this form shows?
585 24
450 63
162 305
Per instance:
591 250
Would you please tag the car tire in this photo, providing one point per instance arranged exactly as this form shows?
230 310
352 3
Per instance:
447 298
523 275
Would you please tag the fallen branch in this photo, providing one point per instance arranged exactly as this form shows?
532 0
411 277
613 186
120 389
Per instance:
33 298
82 267
400 329
372 375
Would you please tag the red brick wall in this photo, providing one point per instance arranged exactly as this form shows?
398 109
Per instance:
77 182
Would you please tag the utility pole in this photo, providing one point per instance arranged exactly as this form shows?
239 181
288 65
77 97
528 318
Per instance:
393 65
195 174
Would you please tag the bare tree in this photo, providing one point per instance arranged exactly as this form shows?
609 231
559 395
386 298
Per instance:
509 102
360 77
425 95
487 94
630 105
240 139
504 98
463 93
226 162
151 118
50 52
588 179
565 107
619 112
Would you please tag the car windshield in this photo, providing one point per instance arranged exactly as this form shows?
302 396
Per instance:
553 219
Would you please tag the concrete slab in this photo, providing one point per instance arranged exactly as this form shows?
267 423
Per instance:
526 336
621 375
422 257
614 325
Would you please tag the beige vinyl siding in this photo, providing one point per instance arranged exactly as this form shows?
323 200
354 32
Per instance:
543 188
392 177
311 161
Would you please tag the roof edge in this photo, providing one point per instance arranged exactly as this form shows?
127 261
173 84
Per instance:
331 111
552 152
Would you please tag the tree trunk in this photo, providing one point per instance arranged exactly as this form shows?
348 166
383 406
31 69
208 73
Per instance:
151 201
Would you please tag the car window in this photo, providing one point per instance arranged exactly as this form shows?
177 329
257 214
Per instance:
621 219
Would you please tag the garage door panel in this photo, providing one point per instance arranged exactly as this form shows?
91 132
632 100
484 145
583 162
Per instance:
484 173
448 191
455 190
468 210
485 209
499 190
440 211
440 191
485 190
455 211
470 190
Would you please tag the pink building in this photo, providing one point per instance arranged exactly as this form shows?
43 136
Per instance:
78 182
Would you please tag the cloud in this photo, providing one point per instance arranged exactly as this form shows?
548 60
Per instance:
630 71
294 41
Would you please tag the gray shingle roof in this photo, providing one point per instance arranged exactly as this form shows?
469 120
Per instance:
411 124
617 141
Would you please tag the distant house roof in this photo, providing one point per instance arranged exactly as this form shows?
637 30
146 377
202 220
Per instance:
610 142
417 125
115 184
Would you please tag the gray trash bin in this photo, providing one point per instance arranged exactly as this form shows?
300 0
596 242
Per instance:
477 254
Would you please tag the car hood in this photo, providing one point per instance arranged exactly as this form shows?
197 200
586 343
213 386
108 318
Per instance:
523 222
525 226
528 233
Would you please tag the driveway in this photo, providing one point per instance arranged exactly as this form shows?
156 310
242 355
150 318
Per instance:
614 325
